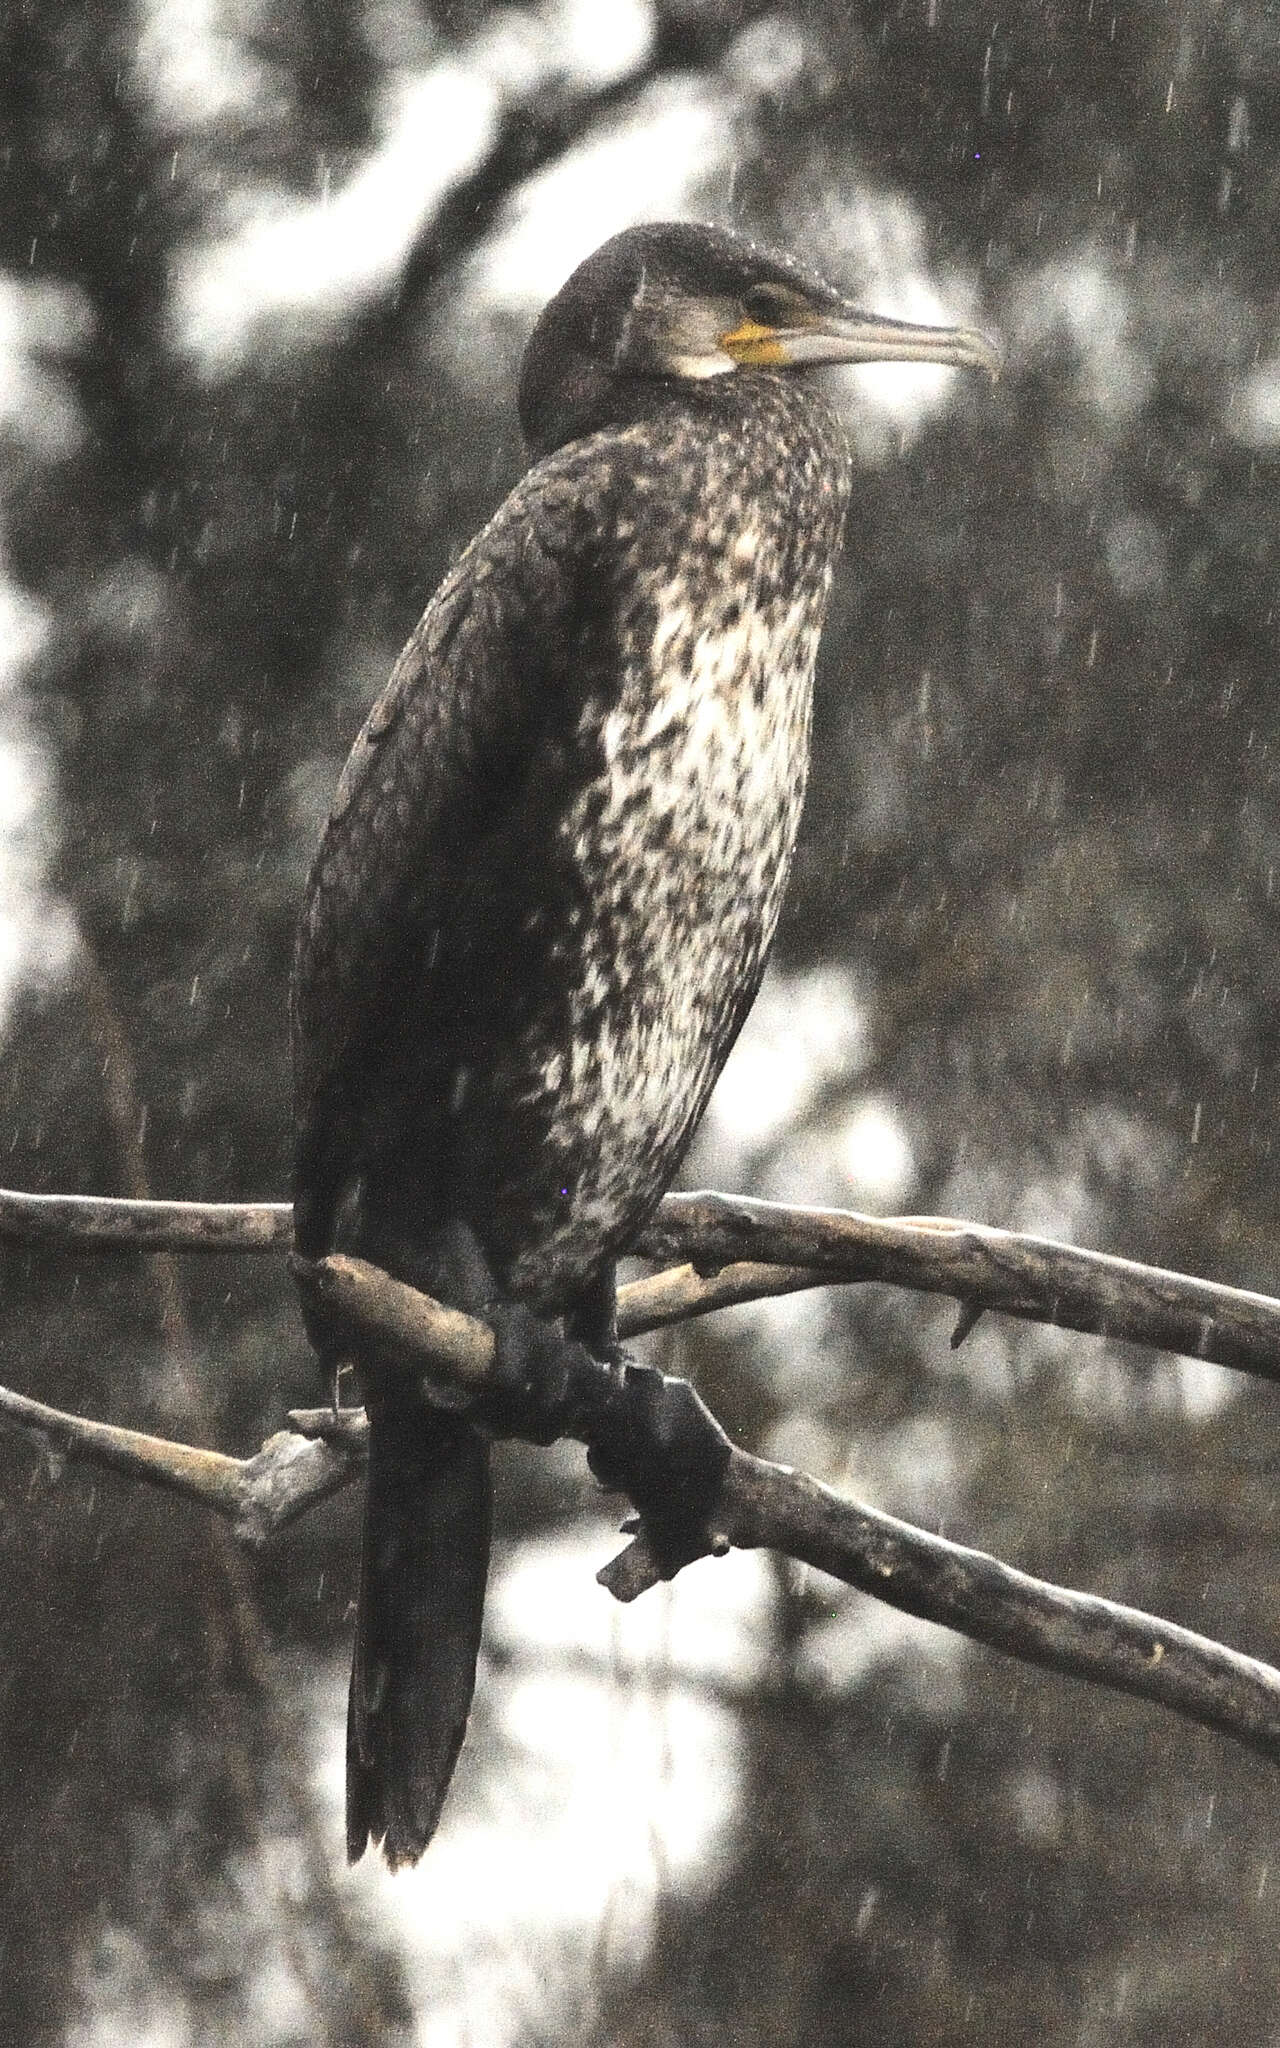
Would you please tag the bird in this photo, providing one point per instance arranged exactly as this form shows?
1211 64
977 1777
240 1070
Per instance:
545 896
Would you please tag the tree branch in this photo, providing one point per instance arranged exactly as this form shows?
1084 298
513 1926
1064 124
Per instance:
109 1223
740 1250
761 1505
764 1505
256 1495
732 1250
1034 1278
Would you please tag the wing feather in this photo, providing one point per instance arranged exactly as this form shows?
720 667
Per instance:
435 768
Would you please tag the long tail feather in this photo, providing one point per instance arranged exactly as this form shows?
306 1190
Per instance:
422 1582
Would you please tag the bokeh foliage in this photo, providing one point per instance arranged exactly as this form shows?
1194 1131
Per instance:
1041 844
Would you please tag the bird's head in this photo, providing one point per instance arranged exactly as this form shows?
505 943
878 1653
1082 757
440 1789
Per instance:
680 303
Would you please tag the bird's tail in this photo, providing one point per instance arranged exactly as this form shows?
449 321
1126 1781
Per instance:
422 1581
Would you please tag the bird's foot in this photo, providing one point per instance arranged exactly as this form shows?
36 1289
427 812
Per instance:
541 1378
660 1443
649 1435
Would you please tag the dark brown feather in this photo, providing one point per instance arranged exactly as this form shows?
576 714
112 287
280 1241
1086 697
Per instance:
542 907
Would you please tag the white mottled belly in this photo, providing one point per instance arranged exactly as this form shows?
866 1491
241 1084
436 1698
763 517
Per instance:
682 847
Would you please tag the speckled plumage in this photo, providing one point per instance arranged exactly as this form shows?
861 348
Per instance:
545 896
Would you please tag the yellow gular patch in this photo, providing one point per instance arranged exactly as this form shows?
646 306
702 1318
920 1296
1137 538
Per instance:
754 344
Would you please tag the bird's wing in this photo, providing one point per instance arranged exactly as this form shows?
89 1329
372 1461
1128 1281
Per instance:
440 757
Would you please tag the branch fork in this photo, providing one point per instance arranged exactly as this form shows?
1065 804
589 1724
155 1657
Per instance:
732 1250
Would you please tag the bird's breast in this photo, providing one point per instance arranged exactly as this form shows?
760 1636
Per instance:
677 845
703 762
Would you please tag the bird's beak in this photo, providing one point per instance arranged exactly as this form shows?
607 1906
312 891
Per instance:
854 337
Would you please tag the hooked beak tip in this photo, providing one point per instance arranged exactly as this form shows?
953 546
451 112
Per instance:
986 353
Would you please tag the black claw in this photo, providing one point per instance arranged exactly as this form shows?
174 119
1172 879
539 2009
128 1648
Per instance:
538 1375
650 1436
661 1444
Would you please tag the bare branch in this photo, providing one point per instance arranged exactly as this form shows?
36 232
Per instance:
768 1506
106 1223
730 1249
982 1268
256 1495
761 1505
1078 1634
680 1293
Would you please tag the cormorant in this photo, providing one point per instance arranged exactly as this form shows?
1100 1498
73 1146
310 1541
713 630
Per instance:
545 896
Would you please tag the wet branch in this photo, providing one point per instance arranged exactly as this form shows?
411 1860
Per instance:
110 1223
761 1504
257 1495
1034 1278
730 1249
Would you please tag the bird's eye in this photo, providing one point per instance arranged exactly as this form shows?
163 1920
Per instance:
770 305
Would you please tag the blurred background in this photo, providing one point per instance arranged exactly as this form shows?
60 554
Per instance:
266 268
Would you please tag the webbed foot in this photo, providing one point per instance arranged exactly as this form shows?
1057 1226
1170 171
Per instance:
661 1444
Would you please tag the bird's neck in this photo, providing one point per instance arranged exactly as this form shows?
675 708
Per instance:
792 413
